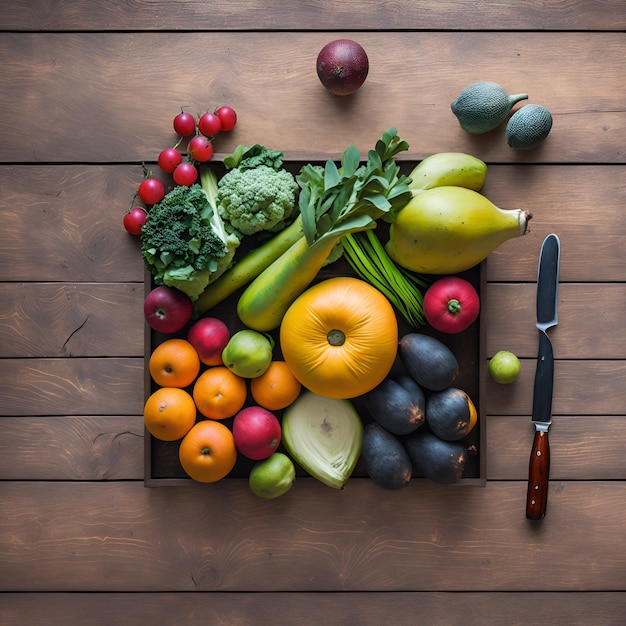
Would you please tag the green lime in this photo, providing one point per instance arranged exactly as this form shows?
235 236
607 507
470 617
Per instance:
273 476
504 367
248 353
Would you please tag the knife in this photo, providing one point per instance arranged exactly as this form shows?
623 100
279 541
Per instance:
547 316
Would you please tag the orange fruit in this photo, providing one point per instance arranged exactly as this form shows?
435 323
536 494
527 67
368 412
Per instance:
169 413
276 388
219 393
207 453
174 363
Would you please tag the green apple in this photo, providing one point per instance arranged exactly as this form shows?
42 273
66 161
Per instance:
504 367
248 353
273 476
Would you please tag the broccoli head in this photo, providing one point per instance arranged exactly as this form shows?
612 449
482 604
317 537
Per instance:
183 242
257 199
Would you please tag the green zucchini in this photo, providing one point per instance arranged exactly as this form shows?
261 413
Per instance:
249 267
266 300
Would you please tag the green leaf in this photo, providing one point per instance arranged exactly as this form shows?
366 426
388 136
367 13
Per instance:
331 175
380 202
307 212
324 224
341 200
396 146
325 205
334 199
390 144
350 162
374 161
353 224
232 160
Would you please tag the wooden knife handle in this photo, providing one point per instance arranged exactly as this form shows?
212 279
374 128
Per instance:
538 472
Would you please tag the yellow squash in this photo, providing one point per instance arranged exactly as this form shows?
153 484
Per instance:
340 338
446 230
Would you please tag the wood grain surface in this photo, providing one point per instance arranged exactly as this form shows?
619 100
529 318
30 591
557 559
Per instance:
119 536
111 87
24 15
370 608
87 94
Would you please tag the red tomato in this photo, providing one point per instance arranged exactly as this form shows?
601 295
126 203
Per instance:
227 116
185 174
151 191
169 159
184 124
209 124
200 148
134 220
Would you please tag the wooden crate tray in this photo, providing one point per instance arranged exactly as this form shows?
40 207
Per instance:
162 467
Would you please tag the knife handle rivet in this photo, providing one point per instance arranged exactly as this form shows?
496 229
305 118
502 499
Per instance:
538 452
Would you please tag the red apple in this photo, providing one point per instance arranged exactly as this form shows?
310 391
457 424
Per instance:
209 337
257 432
167 309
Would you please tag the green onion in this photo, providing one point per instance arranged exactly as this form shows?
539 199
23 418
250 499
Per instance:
368 258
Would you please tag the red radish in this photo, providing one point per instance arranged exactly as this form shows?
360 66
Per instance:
227 116
200 148
185 124
451 304
151 190
209 124
134 220
168 159
185 174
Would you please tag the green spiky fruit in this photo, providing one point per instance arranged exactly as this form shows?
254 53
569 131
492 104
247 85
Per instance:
528 127
483 106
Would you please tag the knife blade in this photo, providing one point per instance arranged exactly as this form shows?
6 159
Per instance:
547 317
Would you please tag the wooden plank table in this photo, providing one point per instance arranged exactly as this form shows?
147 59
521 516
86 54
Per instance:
87 94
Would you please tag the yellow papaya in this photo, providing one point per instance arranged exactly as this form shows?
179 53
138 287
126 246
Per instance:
446 230
449 169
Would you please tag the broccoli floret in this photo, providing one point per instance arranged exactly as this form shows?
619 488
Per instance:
248 158
187 279
193 281
257 199
184 242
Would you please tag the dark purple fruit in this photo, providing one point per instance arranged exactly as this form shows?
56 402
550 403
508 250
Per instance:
440 461
342 66
386 461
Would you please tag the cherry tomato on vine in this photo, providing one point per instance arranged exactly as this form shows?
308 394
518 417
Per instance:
169 159
227 116
151 191
184 124
134 220
185 174
209 124
200 148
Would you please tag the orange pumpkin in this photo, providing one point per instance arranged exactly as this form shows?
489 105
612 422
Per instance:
340 337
